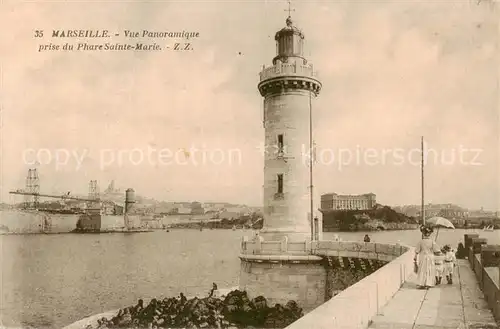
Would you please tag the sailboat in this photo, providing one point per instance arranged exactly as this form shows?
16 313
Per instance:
489 228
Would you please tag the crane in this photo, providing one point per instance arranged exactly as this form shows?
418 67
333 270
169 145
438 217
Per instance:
64 196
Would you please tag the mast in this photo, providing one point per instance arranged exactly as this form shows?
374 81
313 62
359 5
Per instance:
422 210
311 165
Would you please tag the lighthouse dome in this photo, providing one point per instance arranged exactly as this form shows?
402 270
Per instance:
289 29
289 43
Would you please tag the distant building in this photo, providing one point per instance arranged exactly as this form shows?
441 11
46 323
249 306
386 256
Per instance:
447 210
239 210
334 201
183 204
142 209
483 214
217 205
112 193
453 212
197 208
229 215
196 204
163 210
119 209
210 207
212 213
108 208
181 211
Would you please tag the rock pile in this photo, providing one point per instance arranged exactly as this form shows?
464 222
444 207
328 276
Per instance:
236 310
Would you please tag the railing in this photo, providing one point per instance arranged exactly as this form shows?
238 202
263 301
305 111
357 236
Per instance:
281 69
258 246
366 250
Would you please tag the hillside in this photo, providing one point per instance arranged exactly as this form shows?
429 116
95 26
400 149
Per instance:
380 218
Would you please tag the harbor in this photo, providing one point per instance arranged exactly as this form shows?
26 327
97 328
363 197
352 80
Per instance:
93 274
118 212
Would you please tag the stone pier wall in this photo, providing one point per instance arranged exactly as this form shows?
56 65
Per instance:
343 274
354 307
311 272
282 281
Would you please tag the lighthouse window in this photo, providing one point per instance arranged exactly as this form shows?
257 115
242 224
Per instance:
280 143
280 183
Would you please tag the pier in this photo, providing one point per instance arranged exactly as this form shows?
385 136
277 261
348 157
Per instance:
461 305
389 297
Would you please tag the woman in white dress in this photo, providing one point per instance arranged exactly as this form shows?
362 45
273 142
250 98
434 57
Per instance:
425 249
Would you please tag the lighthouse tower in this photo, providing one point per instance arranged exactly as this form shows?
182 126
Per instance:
279 262
288 87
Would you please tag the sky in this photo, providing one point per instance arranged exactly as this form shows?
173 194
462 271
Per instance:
392 71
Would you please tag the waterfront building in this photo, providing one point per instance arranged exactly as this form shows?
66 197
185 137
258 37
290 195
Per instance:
334 201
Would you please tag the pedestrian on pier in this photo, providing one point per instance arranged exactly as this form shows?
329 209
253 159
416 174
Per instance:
461 252
367 238
439 262
425 249
449 263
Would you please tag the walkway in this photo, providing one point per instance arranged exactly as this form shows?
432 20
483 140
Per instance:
457 306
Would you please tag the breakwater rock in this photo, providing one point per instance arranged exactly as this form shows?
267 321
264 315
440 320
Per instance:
236 310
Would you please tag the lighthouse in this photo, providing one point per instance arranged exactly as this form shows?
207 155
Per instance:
288 88
279 262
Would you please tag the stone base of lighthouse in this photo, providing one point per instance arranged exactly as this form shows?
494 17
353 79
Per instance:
282 271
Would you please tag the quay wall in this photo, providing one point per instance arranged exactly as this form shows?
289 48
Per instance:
28 222
485 262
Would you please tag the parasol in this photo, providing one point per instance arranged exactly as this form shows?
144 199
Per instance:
440 222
